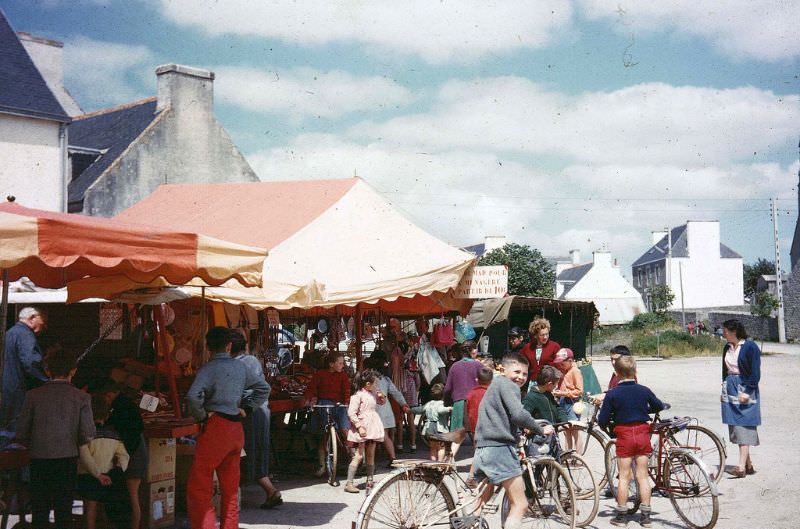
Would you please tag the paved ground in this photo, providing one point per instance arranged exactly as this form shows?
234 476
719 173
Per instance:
765 500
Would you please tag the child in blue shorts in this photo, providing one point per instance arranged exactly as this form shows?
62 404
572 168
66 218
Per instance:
499 416
629 405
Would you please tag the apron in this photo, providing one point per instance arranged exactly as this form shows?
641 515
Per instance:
736 414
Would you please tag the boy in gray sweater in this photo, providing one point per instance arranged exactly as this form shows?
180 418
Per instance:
500 413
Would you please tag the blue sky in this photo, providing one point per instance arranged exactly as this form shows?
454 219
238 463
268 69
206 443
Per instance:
559 124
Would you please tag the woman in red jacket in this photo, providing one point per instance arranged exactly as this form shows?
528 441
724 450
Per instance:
541 350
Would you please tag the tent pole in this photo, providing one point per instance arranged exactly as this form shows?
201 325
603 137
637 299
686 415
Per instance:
3 318
161 330
357 331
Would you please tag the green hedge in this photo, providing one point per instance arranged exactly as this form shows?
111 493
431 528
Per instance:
675 343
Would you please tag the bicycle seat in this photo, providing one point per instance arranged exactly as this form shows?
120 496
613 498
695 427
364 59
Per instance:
456 436
675 423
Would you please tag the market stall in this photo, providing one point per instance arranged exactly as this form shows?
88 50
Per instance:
337 250
53 248
571 321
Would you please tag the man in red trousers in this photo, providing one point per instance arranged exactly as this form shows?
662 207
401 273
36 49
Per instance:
220 390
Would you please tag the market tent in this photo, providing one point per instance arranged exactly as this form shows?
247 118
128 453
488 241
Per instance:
54 248
331 243
571 321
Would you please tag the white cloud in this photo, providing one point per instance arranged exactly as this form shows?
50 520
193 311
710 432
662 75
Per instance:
759 29
102 73
303 92
651 123
437 31
461 196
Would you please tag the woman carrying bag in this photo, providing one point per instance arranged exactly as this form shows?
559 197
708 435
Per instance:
741 407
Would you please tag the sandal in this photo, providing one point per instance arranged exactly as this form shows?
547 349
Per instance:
272 501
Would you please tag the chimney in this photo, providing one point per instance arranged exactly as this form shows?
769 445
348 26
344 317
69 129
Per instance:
493 242
575 257
601 258
657 236
48 57
183 88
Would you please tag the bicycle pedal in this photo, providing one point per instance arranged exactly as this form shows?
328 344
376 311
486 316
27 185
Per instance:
469 522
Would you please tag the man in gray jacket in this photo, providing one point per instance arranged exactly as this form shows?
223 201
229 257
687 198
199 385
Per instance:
500 414
219 391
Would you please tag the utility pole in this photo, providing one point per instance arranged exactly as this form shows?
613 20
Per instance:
668 275
683 309
778 274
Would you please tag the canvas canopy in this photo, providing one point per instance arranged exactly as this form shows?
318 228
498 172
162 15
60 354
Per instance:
330 242
54 248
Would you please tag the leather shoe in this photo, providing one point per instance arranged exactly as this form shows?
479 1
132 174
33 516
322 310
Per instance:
737 473
749 470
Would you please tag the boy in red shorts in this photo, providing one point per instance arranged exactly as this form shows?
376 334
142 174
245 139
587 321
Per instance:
629 405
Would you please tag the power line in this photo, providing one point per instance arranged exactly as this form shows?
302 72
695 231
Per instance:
596 199
590 209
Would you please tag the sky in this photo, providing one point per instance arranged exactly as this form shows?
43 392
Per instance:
560 124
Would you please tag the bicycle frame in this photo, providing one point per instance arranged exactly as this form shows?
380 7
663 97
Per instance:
663 451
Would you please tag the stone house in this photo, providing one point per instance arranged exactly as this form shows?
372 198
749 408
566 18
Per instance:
791 292
601 282
708 273
120 155
33 120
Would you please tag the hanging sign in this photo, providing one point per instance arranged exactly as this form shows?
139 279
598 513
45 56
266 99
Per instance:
483 282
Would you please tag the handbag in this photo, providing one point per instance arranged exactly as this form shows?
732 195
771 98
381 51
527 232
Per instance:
464 331
443 335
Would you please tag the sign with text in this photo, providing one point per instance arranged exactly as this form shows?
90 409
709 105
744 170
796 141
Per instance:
483 282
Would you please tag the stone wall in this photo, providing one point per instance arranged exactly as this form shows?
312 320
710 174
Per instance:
791 305
757 328
184 145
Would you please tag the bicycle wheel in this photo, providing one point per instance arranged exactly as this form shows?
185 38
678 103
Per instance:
591 447
408 498
551 498
691 491
331 455
587 497
705 445
613 477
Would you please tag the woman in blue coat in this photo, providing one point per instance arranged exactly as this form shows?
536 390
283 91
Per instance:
741 411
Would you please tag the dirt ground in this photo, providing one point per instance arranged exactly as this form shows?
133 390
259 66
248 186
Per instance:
766 500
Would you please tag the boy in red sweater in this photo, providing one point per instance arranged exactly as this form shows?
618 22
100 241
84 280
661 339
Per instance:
329 386
474 398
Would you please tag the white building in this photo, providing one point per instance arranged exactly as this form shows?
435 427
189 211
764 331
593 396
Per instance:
33 124
600 282
706 272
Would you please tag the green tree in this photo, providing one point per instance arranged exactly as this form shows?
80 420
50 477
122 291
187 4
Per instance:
529 274
765 305
661 297
753 271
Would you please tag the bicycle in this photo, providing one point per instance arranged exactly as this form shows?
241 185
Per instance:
593 441
422 494
677 472
587 495
332 439
591 445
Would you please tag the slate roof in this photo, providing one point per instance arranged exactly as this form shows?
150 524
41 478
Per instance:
23 90
680 248
477 249
571 276
112 130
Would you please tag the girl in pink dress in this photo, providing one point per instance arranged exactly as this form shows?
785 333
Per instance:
366 428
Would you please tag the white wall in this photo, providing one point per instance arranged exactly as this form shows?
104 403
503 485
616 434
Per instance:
707 282
615 298
30 162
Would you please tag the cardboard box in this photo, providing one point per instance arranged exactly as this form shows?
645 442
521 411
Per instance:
158 504
162 459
